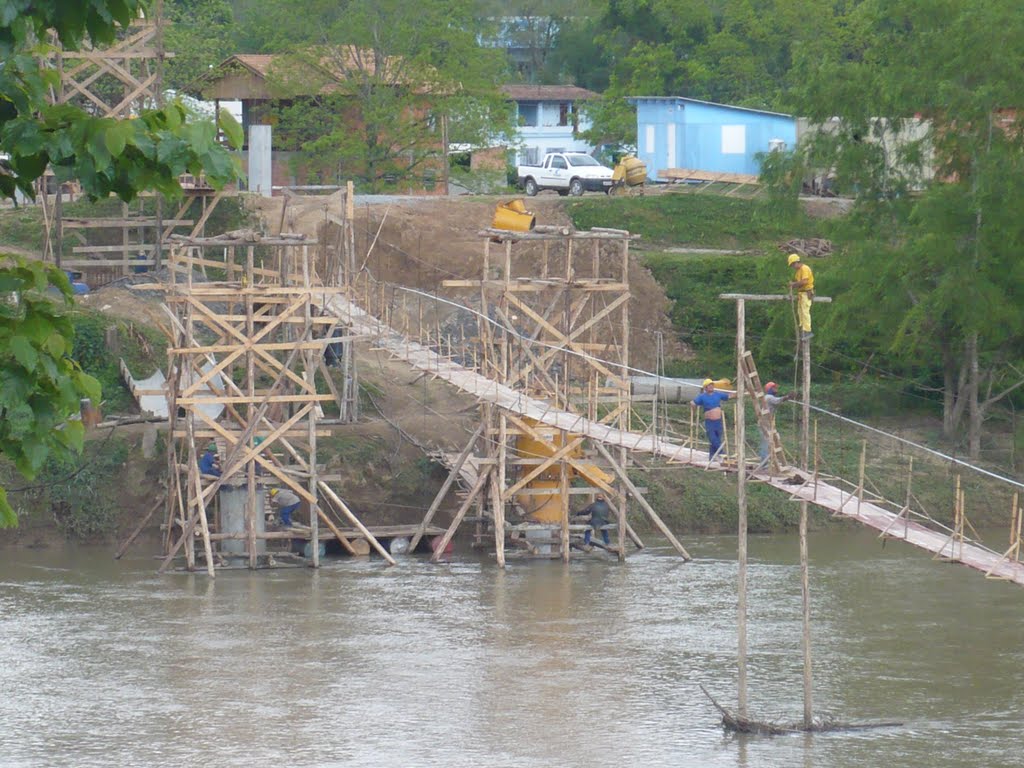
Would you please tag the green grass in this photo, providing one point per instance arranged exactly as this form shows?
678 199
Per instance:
696 220
143 348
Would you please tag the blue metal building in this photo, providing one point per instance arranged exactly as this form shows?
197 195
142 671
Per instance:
675 132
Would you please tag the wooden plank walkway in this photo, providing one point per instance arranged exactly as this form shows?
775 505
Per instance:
820 494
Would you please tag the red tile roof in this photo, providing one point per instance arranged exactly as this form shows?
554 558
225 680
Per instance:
547 93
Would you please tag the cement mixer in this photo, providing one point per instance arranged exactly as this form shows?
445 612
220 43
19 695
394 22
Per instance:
628 176
540 506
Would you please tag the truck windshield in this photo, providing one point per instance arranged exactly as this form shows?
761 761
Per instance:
578 160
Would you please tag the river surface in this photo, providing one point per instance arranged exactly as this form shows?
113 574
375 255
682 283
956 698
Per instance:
106 663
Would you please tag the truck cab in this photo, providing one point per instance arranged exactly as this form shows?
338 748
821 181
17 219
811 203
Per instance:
568 173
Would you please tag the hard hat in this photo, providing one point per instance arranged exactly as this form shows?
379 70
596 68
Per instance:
257 441
212 447
273 491
770 386
599 497
793 259
706 382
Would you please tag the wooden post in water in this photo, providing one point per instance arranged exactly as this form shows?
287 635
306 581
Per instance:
805 349
498 491
860 473
805 581
741 498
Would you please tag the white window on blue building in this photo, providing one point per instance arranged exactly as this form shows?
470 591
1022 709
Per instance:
734 139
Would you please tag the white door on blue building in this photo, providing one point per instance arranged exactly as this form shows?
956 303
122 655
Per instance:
671 159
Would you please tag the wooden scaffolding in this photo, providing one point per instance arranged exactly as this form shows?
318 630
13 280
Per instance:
118 82
553 325
244 356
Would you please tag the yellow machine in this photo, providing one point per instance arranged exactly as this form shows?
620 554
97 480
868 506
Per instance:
513 216
628 176
547 508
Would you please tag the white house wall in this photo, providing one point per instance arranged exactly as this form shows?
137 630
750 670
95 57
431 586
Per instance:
548 135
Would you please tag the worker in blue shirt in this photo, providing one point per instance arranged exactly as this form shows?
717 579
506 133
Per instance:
711 401
209 462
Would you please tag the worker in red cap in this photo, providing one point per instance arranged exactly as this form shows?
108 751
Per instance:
803 284
772 401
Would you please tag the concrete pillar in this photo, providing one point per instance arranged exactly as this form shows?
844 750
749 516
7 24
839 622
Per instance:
232 518
260 160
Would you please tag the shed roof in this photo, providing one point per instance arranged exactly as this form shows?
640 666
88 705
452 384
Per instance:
245 75
547 93
685 100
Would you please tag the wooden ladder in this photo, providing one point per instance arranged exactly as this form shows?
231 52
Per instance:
765 419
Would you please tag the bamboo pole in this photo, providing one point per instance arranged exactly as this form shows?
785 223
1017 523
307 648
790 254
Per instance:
443 492
250 382
741 498
658 522
860 473
313 359
356 523
138 529
460 513
563 493
805 581
190 555
498 490
204 527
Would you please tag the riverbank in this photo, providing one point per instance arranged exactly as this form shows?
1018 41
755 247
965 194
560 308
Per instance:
383 465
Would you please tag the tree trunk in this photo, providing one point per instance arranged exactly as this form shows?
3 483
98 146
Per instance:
974 409
949 391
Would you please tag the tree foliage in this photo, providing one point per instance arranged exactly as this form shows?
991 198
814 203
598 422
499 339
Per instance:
41 385
938 276
106 156
201 35
39 382
371 85
730 51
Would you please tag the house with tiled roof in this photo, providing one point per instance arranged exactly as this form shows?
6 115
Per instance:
550 119
267 83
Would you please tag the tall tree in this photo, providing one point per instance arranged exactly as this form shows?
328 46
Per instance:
946 249
531 31
40 386
201 35
386 83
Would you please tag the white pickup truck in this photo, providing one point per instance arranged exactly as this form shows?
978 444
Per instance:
568 173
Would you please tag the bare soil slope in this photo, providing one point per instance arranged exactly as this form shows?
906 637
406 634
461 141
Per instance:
420 241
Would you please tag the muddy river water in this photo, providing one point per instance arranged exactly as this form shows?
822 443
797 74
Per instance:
106 663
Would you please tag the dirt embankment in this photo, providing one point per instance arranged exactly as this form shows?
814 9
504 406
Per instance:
420 242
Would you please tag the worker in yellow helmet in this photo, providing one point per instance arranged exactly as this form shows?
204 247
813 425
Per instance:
803 284
711 401
285 502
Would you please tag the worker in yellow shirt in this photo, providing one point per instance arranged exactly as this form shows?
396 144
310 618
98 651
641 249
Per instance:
803 284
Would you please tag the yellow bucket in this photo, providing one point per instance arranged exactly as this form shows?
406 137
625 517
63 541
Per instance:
513 216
